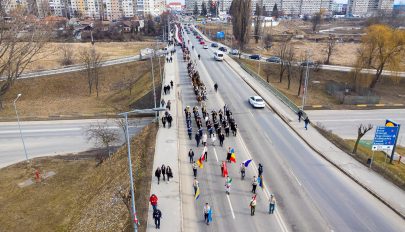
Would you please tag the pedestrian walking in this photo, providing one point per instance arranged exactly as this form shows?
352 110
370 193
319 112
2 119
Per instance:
162 102
195 185
254 184
206 211
189 132
205 154
228 155
153 201
260 169
253 205
221 139
157 215
163 169
195 169
299 115
306 122
158 172
228 183
191 155
169 120
164 121
171 84
272 205
168 105
242 170
204 139
216 87
171 59
169 173
213 139
197 139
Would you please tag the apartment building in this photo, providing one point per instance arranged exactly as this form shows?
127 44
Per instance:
368 7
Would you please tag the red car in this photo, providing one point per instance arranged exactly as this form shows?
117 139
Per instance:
198 37
202 42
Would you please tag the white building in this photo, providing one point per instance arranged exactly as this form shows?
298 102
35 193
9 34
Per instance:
302 7
368 7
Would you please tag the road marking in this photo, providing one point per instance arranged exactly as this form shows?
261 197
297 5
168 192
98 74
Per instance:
251 113
230 206
268 138
215 153
296 178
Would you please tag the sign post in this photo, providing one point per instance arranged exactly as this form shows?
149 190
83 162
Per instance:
389 123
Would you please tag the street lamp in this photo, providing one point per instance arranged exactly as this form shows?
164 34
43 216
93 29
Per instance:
19 126
125 114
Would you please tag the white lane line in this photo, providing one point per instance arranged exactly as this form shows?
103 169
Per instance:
230 206
251 113
215 153
268 138
296 178
267 193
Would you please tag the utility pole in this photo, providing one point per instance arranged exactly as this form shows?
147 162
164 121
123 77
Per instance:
304 96
153 83
19 126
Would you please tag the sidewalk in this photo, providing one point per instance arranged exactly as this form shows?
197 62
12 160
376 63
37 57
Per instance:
385 191
166 152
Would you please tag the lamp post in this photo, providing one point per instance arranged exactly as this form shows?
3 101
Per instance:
19 126
125 114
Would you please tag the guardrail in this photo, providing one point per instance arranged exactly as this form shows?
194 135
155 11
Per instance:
274 90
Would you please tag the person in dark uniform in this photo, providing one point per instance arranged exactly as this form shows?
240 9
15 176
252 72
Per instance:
157 214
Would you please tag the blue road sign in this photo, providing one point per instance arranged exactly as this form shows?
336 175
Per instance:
220 35
384 138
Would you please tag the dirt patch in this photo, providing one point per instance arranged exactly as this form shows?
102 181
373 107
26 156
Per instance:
389 89
112 50
68 93
81 196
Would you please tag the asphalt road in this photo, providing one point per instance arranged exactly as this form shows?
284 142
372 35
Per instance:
345 122
43 138
312 195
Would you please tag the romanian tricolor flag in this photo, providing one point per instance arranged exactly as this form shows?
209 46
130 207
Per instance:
197 194
233 156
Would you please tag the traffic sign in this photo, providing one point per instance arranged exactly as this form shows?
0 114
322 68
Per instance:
384 138
220 35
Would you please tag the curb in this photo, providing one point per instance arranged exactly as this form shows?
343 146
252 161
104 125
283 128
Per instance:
321 154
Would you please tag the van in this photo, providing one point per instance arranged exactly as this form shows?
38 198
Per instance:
218 55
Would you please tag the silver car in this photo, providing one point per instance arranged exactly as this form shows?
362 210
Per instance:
257 102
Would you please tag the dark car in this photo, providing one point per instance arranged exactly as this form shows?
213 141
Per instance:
214 45
222 49
274 59
307 63
254 57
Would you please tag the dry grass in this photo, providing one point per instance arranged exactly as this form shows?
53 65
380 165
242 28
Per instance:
81 196
390 89
68 93
109 50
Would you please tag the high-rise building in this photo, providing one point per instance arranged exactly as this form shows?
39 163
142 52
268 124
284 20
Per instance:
368 7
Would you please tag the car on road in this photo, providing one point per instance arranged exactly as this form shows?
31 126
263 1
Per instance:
214 45
254 57
222 49
218 56
205 46
257 102
234 52
202 42
198 37
308 63
274 59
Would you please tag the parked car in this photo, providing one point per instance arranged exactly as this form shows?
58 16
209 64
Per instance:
234 52
274 59
222 49
198 37
214 45
202 42
254 57
256 102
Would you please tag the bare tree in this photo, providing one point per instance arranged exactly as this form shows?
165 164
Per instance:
21 43
289 58
283 53
257 23
316 20
67 55
102 135
268 41
91 59
240 11
361 131
330 48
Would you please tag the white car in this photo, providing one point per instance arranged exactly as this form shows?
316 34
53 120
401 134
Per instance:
218 56
257 102
205 46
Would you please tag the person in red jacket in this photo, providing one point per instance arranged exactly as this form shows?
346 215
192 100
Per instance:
153 201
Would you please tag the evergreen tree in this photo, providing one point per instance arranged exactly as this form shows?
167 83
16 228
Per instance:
274 13
203 9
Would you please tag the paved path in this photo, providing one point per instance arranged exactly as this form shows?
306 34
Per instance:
166 152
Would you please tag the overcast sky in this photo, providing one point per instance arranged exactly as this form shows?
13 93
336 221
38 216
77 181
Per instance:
340 1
